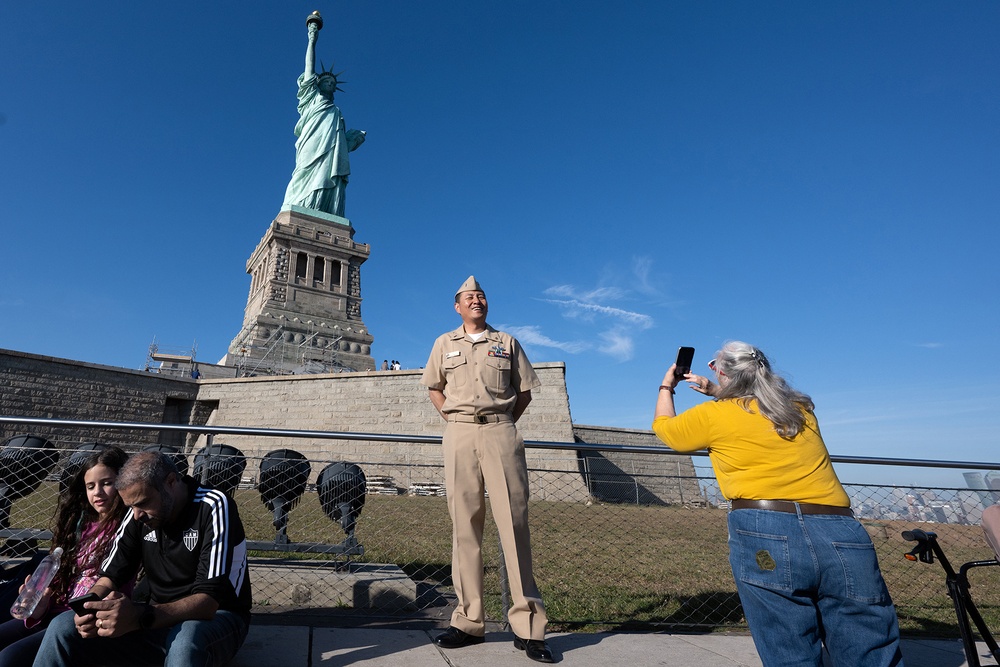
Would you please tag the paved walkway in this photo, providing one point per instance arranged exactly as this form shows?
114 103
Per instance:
300 646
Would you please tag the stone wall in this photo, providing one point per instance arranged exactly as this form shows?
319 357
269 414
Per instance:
634 477
384 402
39 386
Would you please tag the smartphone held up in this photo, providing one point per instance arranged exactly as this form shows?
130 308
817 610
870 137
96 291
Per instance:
685 355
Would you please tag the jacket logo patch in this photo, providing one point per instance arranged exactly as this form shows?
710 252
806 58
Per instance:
190 539
150 536
499 351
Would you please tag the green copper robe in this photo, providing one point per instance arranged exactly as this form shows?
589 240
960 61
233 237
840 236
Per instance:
321 163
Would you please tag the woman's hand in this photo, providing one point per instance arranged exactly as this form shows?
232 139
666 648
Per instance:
702 385
670 380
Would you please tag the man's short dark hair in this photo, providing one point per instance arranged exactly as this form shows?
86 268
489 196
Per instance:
150 468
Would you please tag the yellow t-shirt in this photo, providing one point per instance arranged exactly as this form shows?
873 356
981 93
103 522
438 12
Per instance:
750 459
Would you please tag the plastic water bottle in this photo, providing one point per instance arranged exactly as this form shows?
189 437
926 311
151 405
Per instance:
26 602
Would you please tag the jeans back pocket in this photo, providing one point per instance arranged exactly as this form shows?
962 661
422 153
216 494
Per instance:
762 560
862 578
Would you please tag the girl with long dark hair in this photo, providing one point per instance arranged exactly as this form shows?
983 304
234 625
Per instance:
87 516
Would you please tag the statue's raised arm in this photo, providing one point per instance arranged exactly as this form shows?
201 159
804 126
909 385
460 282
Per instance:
322 167
312 34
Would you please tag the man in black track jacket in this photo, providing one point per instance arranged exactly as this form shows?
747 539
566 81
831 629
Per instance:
190 541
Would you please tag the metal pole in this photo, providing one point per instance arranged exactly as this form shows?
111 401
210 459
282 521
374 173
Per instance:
208 454
436 439
680 483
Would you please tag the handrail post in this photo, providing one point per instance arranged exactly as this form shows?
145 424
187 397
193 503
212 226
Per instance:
209 439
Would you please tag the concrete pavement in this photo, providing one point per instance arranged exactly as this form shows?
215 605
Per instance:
302 646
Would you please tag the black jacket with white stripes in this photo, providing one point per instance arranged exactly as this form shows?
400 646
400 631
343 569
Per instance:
203 551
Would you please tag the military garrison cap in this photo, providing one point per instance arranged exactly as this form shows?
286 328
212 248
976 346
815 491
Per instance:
470 285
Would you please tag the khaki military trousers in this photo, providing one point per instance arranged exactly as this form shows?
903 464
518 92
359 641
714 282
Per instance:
493 454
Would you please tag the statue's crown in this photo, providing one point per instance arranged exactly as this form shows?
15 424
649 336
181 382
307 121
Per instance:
329 72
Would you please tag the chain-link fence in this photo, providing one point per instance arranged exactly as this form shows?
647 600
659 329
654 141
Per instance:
375 537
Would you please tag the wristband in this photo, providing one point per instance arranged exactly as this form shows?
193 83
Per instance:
668 388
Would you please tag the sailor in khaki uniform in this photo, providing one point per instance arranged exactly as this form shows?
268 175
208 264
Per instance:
480 381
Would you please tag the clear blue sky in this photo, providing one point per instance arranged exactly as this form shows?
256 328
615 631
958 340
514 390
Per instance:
819 179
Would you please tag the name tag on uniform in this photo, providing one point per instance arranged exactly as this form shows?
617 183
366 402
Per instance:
456 353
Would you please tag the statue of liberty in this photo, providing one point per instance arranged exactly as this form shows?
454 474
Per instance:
321 164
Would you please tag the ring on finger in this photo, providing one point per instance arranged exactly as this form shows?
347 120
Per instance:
99 623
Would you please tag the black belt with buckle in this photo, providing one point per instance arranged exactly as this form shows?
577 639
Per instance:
789 507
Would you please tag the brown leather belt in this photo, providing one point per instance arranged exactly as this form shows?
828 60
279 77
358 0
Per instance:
479 419
789 507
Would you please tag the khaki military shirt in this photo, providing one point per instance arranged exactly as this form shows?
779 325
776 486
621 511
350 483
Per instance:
478 378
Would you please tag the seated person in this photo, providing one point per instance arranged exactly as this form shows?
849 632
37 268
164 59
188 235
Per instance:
190 541
88 514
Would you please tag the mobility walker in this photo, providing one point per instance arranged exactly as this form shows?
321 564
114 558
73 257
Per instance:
958 582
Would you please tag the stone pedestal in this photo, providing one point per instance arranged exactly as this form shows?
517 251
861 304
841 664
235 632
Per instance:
282 585
303 313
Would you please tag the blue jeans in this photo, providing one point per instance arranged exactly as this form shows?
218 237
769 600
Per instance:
806 580
188 644
20 643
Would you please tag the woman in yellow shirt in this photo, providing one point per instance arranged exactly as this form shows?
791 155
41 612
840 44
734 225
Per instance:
804 567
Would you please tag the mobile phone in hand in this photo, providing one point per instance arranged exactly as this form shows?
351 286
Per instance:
685 355
76 604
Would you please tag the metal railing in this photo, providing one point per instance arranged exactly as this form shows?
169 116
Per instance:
620 560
